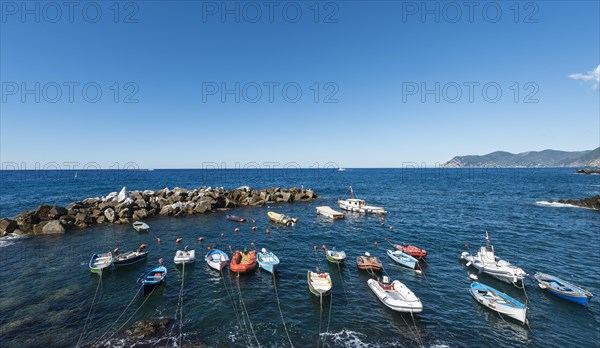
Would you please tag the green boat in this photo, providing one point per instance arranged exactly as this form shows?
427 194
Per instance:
140 226
319 283
335 256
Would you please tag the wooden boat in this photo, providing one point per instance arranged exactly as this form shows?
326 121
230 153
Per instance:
216 259
368 262
141 226
499 302
185 256
281 219
243 262
99 262
330 213
153 278
235 218
130 257
335 256
358 205
411 250
563 289
319 283
395 295
267 260
402 258
487 262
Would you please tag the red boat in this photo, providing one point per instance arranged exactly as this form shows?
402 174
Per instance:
411 250
368 262
243 262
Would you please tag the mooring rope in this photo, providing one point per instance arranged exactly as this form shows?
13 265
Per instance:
281 313
85 324
120 316
178 309
320 320
235 309
246 310
329 317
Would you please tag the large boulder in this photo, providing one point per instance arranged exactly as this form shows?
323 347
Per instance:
67 220
57 212
43 212
166 210
53 227
109 214
39 228
27 217
7 226
140 202
140 214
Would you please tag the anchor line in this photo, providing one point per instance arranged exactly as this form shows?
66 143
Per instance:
85 324
320 319
329 317
245 310
119 318
280 312
235 308
178 309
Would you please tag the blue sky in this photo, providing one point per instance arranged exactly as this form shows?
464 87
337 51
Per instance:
363 58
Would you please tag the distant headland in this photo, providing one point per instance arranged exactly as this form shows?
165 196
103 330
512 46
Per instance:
545 158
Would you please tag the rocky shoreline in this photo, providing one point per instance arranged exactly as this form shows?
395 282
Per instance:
126 206
590 203
588 171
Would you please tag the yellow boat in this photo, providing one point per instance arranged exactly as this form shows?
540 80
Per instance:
281 219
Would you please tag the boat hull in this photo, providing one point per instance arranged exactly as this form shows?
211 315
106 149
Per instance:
563 289
335 256
369 263
500 270
268 261
237 266
502 303
185 257
130 261
412 250
319 284
394 299
216 259
403 259
152 279
100 262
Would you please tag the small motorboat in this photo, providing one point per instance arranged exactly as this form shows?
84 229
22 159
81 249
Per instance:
330 213
141 226
99 262
216 259
411 250
267 260
358 205
281 219
402 258
486 261
243 261
130 257
235 218
563 289
368 262
499 302
153 278
319 283
185 256
396 295
335 256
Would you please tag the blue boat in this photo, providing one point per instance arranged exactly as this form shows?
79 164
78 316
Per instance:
153 278
563 289
403 258
217 259
499 302
267 260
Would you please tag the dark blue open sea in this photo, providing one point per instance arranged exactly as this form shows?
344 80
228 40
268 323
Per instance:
46 287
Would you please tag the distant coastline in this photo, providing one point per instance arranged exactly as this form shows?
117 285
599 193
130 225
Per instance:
589 159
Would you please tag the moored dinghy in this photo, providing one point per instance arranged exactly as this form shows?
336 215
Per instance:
153 278
281 219
267 260
319 283
396 295
402 258
216 259
334 256
369 262
330 213
499 302
563 289
130 257
141 226
99 262
185 256
235 218
412 250
243 262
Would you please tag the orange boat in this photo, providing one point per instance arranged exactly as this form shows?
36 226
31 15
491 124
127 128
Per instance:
368 262
243 261
411 250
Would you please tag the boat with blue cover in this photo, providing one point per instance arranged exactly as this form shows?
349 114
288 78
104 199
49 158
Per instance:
403 258
499 302
267 260
153 278
563 289
216 259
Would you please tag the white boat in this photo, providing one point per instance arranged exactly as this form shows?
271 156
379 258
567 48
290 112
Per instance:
330 213
486 261
358 205
499 302
267 260
396 295
340 169
185 256
403 258
216 259
319 283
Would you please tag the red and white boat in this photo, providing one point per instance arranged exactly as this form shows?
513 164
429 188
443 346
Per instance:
411 250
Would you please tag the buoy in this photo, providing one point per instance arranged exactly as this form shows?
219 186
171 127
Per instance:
208 248
236 230
253 228
252 243
201 239
418 271
116 251
158 240
178 240
473 276
375 243
391 228
222 234
315 248
323 247
382 218
383 224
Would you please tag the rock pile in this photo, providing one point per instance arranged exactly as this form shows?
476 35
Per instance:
591 202
125 207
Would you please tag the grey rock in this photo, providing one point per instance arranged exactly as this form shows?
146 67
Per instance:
53 227
7 226
110 214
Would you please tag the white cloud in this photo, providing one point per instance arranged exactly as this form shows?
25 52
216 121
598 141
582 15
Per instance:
593 76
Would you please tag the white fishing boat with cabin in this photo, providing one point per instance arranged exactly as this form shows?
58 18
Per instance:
358 205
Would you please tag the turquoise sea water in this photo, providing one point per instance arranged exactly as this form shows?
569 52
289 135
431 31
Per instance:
46 287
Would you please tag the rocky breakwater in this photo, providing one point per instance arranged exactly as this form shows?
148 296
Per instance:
590 203
127 206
